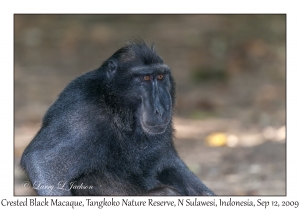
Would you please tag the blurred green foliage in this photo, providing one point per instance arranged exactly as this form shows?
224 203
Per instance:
209 75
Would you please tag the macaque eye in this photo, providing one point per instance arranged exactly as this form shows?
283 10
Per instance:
160 76
146 78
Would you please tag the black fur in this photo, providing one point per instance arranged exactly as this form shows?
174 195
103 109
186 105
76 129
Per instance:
110 133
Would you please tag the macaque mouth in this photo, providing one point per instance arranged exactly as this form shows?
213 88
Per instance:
156 129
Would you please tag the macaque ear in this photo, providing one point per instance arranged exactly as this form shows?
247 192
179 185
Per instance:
112 68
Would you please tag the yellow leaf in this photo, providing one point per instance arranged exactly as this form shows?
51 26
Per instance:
216 139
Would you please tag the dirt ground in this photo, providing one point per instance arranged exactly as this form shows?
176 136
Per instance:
230 73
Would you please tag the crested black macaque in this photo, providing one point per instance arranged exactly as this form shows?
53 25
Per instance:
110 133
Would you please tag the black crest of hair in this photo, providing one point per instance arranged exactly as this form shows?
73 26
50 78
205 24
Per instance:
140 51
110 132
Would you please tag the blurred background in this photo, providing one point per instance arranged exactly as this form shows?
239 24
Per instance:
230 72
